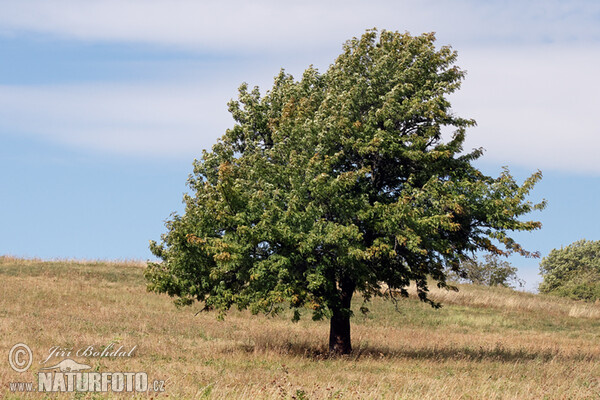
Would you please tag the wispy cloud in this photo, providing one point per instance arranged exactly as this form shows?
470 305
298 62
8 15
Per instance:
157 120
279 26
535 106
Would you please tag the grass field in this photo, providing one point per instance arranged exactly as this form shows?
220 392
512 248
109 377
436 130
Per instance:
483 344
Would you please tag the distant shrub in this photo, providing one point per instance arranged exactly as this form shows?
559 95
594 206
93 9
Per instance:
573 271
493 271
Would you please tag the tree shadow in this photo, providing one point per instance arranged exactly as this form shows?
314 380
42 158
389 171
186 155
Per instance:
452 352
462 353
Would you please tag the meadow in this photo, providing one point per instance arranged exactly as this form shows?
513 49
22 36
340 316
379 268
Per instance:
485 343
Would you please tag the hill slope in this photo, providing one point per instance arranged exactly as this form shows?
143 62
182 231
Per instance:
484 343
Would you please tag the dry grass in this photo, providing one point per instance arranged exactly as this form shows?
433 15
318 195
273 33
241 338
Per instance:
502 298
484 344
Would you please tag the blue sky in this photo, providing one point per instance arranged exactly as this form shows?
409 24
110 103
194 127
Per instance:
104 105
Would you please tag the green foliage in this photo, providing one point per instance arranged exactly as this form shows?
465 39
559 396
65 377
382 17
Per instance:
339 182
573 271
492 272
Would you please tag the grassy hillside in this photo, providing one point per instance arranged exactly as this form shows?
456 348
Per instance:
483 344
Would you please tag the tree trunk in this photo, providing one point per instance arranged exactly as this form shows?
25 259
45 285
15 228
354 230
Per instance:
339 331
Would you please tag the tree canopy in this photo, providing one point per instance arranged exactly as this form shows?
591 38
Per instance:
573 271
336 183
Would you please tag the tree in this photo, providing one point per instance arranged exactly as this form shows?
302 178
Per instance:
573 271
338 183
492 272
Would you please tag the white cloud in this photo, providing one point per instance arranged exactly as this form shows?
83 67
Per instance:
161 120
535 106
276 26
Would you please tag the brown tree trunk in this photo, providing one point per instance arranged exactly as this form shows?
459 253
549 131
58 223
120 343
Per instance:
339 331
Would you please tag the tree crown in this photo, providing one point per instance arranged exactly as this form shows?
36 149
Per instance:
340 181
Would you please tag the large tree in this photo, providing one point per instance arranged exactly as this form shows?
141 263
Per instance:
336 183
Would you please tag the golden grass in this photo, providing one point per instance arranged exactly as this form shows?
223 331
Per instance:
507 299
484 344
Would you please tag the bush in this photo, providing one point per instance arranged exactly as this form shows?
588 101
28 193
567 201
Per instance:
573 271
492 272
